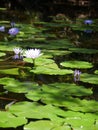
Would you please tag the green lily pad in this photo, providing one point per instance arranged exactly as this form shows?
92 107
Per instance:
47 66
51 71
77 64
16 86
84 50
80 123
11 121
36 111
13 71
60 94
2 54
96 72
89 78
6 47
39 61
56 52
40 125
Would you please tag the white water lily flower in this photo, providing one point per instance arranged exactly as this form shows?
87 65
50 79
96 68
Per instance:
32 53
17 50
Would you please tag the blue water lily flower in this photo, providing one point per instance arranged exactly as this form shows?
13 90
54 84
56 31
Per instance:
13 31
2 29
88 21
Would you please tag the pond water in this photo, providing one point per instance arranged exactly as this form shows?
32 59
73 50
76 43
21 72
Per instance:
57 90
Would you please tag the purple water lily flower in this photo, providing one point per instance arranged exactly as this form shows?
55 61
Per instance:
13 31
77 74
17 57
17 50
18 53
88 21
2 29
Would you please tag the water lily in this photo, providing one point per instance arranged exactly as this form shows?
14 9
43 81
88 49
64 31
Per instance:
18 53
88 21
13 31
77 74
33 54
2 29
17 50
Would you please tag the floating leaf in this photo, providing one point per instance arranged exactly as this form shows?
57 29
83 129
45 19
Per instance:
89 78
96 72
13 71
59 94
80 124
56 52
11 121
84 50
77 64
15 86
6 47
40 125
51 71
2 54
39 61
36 111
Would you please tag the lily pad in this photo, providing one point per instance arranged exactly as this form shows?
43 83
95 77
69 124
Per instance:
56 52
47 66
2 54
13 71
51 71
89 78
96 72
36 111
6 47
77 64
16 86
40 125
84 50
59 90
11 121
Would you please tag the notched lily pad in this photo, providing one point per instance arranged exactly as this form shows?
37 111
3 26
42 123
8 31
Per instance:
11 121
77 64
61 91
40 125
89 78
16 86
